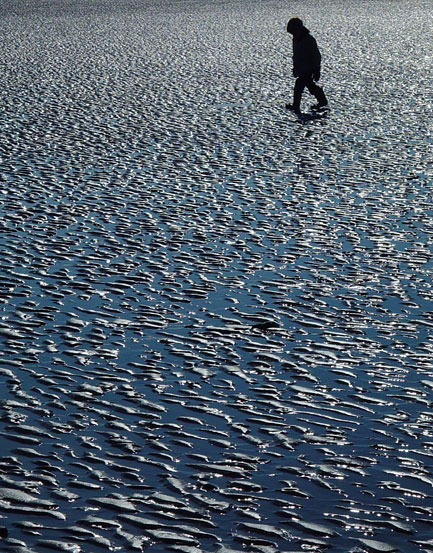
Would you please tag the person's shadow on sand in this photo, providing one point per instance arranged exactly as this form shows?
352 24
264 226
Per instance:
305 117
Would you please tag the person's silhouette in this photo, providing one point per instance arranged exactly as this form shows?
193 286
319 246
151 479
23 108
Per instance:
306 65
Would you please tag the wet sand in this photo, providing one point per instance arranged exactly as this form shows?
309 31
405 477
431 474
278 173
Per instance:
216 318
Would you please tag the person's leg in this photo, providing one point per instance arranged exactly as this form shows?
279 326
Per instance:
297 95
300 84
316 91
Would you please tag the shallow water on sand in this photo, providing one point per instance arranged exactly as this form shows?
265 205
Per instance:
216 318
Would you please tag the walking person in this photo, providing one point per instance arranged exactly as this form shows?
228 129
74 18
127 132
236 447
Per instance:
306 66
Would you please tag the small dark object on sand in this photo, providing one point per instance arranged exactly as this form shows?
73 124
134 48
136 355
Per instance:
3 532
265 326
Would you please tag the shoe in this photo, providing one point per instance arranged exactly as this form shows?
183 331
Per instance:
320 105
291 107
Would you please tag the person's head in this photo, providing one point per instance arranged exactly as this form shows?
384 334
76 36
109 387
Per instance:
294 26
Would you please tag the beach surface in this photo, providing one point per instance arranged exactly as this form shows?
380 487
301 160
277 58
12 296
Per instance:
216 317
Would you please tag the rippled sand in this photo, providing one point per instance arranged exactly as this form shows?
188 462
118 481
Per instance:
216 318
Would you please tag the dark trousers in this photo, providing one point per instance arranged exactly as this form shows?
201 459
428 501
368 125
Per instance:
306 81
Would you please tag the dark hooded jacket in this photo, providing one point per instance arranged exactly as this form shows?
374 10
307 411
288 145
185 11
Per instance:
306 55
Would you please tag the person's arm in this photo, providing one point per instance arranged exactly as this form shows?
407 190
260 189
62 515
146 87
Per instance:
295 62
314 57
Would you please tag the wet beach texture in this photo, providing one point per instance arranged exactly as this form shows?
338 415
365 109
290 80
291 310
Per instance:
216 320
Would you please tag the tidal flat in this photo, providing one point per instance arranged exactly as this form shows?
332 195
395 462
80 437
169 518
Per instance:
216 318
